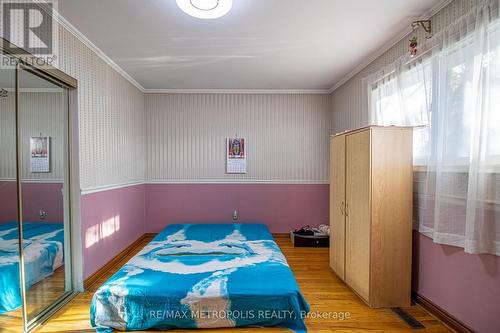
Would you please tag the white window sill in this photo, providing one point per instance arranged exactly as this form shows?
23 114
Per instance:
493 169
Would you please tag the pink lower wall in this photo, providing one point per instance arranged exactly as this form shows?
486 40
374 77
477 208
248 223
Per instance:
8 201
281 206
111 220
466 286
36 196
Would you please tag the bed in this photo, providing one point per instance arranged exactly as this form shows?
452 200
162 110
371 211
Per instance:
202 276
43 254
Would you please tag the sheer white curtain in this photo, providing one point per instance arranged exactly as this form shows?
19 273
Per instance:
403 98
452 94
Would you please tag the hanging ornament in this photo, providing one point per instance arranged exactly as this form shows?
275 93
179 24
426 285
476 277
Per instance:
426 25
413 46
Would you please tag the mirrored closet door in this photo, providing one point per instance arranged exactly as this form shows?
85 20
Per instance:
35 228
43 107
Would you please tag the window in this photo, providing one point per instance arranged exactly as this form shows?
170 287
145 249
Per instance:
439 97
405 100
451 94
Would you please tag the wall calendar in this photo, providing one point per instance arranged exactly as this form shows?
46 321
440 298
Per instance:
40 154
236 156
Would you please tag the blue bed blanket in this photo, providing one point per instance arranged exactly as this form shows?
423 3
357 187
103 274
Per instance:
43 253
202 276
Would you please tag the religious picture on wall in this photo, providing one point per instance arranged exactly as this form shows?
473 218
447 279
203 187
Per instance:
236 155
40 154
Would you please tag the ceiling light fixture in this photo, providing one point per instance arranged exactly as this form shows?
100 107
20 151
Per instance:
205 9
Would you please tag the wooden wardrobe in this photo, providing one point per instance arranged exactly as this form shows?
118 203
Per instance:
371 213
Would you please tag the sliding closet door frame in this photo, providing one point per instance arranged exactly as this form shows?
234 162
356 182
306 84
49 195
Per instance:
46 70
72 193
30 324
19 198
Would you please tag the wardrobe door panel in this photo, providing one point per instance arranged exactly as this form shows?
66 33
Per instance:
392 176
358 180
337 205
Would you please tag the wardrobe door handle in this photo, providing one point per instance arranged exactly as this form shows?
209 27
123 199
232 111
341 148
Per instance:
346 209
342 208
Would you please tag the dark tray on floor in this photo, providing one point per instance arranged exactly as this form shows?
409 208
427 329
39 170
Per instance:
310 241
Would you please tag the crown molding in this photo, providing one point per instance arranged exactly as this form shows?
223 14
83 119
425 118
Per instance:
238 91
82 38
367 61
389 44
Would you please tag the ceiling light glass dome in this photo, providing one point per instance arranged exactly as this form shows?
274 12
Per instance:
205 9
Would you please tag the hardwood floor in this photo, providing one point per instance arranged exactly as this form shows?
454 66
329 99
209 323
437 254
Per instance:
45 292
38 297
11 322
322 289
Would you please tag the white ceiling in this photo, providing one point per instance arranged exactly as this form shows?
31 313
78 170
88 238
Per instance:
260 44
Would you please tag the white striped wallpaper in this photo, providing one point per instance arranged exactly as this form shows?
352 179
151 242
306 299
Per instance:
7 137
110 113
111 117
287 136
128 137
347 99
41 113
